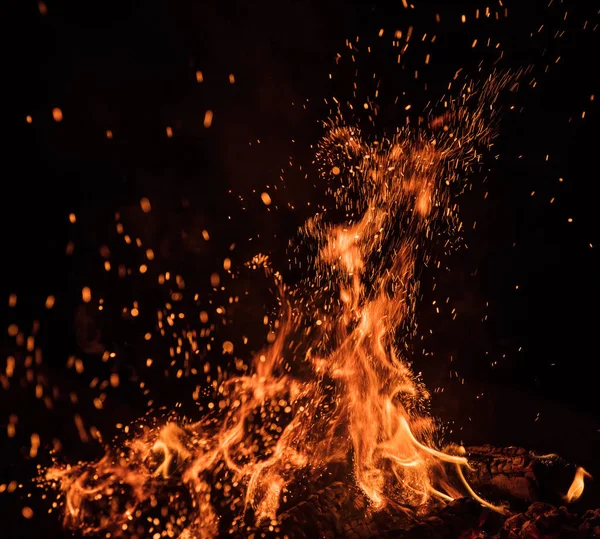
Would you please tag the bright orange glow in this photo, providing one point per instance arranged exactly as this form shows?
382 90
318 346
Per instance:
86 294
208 118
57 114
576 489
145 205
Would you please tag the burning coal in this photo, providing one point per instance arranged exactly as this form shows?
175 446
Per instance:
346 394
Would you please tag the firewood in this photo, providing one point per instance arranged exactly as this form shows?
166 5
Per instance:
509 474
518 475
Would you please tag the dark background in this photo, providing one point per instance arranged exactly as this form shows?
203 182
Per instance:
527 355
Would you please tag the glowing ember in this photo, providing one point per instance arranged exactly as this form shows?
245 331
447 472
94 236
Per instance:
350 396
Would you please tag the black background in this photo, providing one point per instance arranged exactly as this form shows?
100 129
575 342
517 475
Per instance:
131 67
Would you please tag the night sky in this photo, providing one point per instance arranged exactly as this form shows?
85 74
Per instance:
125 76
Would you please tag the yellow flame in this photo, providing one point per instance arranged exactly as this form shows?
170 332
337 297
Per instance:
576 489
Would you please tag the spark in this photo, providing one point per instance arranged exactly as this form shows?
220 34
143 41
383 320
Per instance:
57 114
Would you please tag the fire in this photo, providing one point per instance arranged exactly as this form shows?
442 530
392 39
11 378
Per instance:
347 395
576 489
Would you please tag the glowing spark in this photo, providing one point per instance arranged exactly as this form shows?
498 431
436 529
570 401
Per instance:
145 205
57 114
86 294
208 118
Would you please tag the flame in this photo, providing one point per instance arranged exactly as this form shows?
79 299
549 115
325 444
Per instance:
576 489
348 395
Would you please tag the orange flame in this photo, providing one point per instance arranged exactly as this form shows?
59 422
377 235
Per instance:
576 489
356 400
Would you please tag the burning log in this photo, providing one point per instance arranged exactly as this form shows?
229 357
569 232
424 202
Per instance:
462 518
340 512
513 474
543 520
518 475
465 518
510 471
